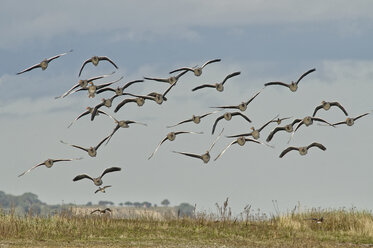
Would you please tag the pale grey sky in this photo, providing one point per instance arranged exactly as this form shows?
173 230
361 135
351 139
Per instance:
265 40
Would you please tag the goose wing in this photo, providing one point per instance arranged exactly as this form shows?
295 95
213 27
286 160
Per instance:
322 120
181 122
193 155
231 75
315 144
272 133
253 97
210 61
122 103
290 148
67 92
84 63
243 116
96 210
339 106
305 74
156 149
29 69
31 169
182 69
216 122
77 118
102 141
131 83
111 169
316 109
80 177
204 86
164 80
112 133
59 55
95 110
217 138
99 77
79 147
266 124
222 152
276 83
358 117
105 89
109 60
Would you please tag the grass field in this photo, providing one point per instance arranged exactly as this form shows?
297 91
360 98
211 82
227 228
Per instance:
340 228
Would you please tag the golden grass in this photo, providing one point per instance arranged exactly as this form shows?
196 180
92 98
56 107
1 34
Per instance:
340 228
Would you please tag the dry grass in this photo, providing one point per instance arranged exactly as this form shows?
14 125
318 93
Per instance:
340 228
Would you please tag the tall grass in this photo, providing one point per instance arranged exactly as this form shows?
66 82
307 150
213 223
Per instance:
346 227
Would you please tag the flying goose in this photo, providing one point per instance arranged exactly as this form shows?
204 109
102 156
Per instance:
293 86
98 180
92 151
170 80
256 132
241 141
48 163
122 124
326 105
218 86
119 90
288 128
242 106
171 137
43 64
138 100
104 102
228 116
94 60
89 110
101 211
102 189
204 157
302 150
197 70
308 120
195 118
350 121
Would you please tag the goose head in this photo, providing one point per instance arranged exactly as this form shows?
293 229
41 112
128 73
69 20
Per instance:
97 181
123 124
325 105
228 116
241 140
219 87
48 163
107 102
289 128
44 64
206 157
242 106
119 91
92 152
95 60
350 121
197 71
196 119
303 150
83 83
171 136
293 86
255 133
307 120
140 101
172 80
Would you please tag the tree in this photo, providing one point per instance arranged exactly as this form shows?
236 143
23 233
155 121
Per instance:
128 203
165 202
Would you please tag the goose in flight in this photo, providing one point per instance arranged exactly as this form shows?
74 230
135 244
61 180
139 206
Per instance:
351 121
43 64
138 100
102 189
122 124
119 90
48 163
293 86
92 151
228 116
255 133
196 70
326 105
302 150
308 120
101 211
241 141
204 157
82 84
242 106
98 180
219 86
94 60
171 137
170 80
195 118
104 102
288 128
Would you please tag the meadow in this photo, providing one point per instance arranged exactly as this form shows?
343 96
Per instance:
339 228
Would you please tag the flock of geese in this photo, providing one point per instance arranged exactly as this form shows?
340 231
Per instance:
237 111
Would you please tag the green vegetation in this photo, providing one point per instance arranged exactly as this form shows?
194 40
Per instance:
340 228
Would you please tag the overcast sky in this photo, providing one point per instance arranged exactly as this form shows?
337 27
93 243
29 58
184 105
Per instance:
264 40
